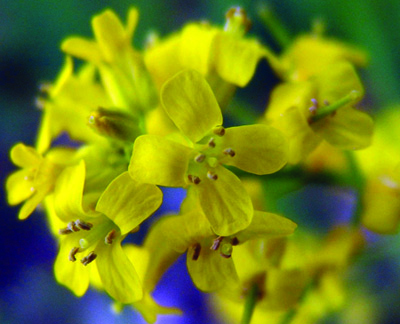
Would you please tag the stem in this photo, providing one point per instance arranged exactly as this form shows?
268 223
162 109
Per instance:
328 110
250 304
358 182
273 24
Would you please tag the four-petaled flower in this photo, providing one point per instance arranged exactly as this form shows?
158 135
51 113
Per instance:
197 157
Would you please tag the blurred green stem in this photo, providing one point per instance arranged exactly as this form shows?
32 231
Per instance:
250 304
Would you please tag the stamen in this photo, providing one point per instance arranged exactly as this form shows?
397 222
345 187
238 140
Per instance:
211 175
314 107
230 152
83 225
196 251
89 258
226 250
64 231
220 131
216 243
72 254
194 179
200 158
72 227
235 241
211 142
110 237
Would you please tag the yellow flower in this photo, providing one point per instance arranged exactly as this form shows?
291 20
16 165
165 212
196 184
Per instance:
67 105
37 177
209 259
96 227
321 109
224 56
121 68
309 55
381 165
197 158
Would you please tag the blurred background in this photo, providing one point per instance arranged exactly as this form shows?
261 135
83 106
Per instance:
30 36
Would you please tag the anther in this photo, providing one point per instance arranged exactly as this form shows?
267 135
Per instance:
194 179
83 225
200 158
89 258
196 251
72 227
211 175
229 152
64 231
72 254
220 131
110 237
216 243
211 142
235 241
314 107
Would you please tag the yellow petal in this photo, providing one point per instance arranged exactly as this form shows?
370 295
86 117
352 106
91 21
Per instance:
225 203
337 81
109 33
302 139
131 23
236 59
149 309
128 203
18 187
84 49
117 273
25 156
30 205
211 271
190 103
68 192
163 59
259 149
156 160
266 225
348 129
73 275
195 49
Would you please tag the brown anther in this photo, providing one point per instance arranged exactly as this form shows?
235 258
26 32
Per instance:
89 258
235 241
211 142
200 158
194 179
216 243
72 227
226 256
64 231
229 152
72 254
83 225
196 251
220 131
110 237
212 175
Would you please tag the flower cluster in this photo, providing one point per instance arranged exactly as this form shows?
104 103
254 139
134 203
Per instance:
153 117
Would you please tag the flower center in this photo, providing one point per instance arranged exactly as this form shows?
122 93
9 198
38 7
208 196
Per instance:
207 157
89 236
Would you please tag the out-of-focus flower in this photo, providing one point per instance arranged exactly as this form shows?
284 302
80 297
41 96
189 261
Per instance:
37 177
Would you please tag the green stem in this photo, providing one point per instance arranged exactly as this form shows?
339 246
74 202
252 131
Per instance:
273 24
358 182
250 304
322 112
